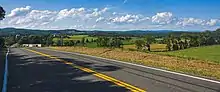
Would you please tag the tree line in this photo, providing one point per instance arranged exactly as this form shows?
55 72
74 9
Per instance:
181 41
187 40
112 42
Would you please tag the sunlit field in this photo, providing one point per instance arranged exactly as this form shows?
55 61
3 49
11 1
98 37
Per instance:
76 37
211 53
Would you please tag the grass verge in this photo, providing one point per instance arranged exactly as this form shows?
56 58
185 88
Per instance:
192 67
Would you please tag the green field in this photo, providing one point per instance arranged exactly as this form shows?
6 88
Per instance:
210 53
76 37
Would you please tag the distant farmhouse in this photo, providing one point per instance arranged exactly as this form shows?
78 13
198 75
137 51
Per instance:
32 45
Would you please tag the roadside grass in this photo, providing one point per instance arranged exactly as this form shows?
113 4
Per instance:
207 53
188 66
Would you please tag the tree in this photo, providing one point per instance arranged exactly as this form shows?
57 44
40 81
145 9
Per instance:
175 44
66 43
139 44
72 43
33 39
112 42
83 41
10 40
87 40
116 43
49 40
149 40
2 16
2 42
2 13
103 42
186 39
58 43
169 41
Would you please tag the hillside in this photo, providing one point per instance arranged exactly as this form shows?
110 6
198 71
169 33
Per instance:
14 31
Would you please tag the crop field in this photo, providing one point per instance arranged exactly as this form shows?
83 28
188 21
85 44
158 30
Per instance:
210 53
188 66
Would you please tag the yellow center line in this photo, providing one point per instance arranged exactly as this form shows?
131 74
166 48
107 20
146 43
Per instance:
99 75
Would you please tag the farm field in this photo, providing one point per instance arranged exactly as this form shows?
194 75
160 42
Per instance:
188 66
128 44
210 53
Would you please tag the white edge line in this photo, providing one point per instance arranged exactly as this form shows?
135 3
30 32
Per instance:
4 88
181 74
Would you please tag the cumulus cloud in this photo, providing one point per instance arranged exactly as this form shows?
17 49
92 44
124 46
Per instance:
96 12
196 22
19 11
128 19
212 22
163 18
101 18
70 13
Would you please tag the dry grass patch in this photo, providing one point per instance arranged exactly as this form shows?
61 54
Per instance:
195 67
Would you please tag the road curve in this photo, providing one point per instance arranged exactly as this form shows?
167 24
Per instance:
32 72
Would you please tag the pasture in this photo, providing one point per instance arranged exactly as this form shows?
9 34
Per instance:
76 37
208 53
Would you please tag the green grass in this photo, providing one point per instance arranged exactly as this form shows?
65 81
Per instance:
210 53
79 37
76 37
91 45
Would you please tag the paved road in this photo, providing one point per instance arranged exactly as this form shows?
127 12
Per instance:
31 72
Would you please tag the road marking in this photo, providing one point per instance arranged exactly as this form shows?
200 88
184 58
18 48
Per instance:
99 75
5 80
157 69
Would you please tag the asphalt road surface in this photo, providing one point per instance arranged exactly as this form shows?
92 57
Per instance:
44 70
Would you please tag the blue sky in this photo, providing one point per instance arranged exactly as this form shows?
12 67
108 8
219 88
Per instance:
113 14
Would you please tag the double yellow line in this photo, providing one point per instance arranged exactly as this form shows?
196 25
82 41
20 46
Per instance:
99 75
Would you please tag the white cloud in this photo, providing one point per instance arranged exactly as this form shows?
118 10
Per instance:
212 22
127 19
104 18
191 22
163 18
96 12
100 19
19 11
70 13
